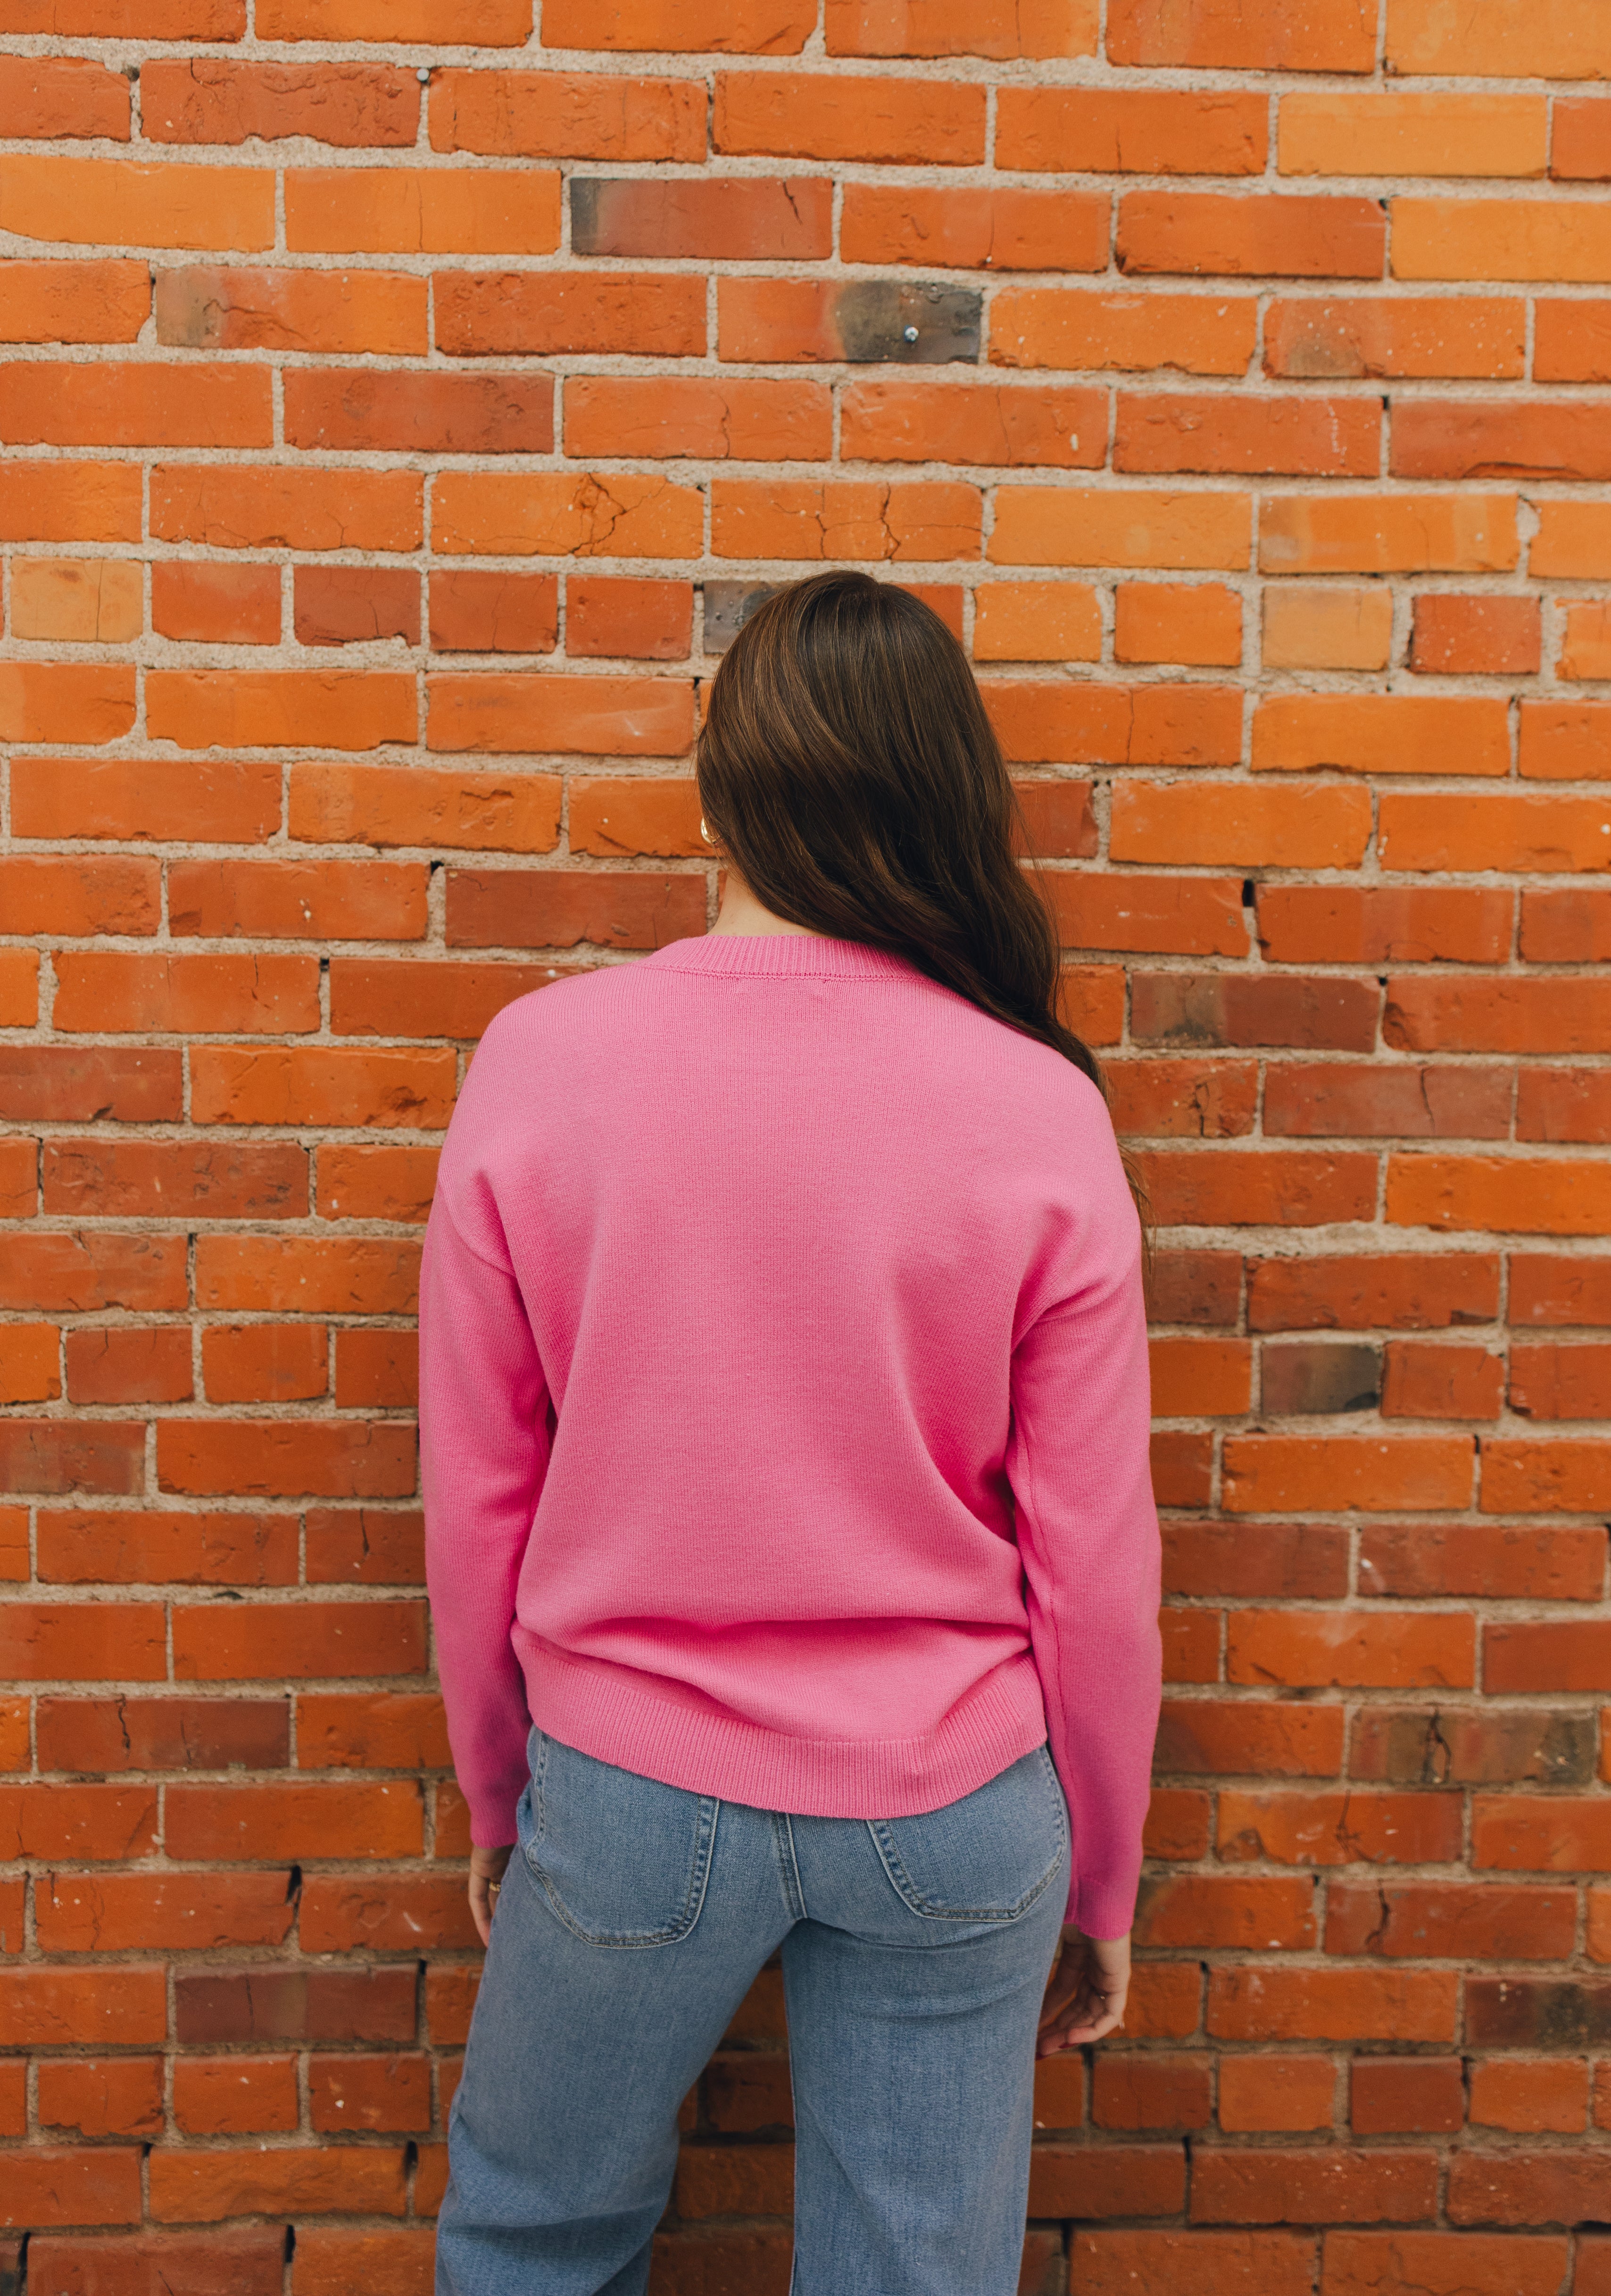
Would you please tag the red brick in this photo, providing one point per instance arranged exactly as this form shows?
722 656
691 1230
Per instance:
651 622
201 2186
235 2096
1560 1383
362 409
129 1364
167 1733
1526 2188
365 1547
1530 2094
1341 1101
1160 1099
256 1458
1258 1187
320 900
186 993
218 2263
1401 2096
1312 2187
1451 1921
440 1000
107 2097
1157 2263
215 99
1258 1739
1266 2093
1338 1828
48 2185
1442 2263
285 509
496 23
554 908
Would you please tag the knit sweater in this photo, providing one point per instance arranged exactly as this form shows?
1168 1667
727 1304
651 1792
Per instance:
784 1400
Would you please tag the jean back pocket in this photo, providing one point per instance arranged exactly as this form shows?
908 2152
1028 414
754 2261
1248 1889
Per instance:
622 1859
987 1857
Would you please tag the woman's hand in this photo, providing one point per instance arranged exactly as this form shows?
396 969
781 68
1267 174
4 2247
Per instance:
486 1870
1084 1994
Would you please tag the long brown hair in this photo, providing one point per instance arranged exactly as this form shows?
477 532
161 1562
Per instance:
848 769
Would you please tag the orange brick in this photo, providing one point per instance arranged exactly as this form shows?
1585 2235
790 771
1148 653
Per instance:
651 314
1110 131
1241 234
1197 623
215 100
116 402
1319 337
554 515
474 612
1228 824
1492 829
1156 431
1530 2092
1396 533
85 600
439 210
1558 41
1455 635
337 709
1547 240
247 509
800 115
993 225
1578 150
1410 133
913 422
1586 641
746 421
214 308
48 96
1051 326
1036 622
800 519
774 27
1520 1195
381 805
126 203
1309 627
65 702
1382 733
957 28
85 302
1072 527
1571 339
1232 35
555 115
1573 539
220 606
1267 1474
70 502
586 716
496 23
644 621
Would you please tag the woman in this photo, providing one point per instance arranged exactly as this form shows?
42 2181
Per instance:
790 1539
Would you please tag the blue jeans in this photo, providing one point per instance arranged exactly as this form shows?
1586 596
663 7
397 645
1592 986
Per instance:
631 1922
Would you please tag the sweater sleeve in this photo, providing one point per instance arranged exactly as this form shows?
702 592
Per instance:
484 1451
1088 1531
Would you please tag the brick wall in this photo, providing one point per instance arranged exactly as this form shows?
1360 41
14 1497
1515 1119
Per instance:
397 424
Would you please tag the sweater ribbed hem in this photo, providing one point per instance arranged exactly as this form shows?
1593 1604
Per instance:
800 957
625 1719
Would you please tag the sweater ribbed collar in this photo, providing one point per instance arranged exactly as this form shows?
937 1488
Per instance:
800 957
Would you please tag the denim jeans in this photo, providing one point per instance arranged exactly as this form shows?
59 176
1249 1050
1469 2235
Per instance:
631 1920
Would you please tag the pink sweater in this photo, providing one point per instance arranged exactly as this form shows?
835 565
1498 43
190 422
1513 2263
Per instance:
784 1400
